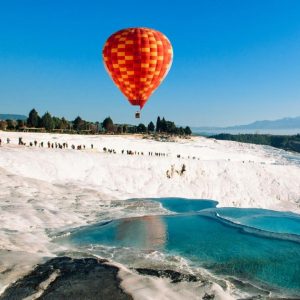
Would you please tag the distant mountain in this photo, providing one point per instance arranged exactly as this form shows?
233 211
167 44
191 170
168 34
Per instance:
285 123
12 117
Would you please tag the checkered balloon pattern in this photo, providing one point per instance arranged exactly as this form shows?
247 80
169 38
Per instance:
137 59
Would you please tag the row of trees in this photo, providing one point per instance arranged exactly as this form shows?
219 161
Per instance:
162 126
11 124
50 123
286 142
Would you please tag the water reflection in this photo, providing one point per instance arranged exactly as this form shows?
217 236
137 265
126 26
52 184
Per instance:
148 232
266 256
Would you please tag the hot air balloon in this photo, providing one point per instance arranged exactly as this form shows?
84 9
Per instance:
137 60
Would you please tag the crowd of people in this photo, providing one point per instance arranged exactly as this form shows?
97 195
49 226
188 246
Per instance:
56 145
65 145
131 152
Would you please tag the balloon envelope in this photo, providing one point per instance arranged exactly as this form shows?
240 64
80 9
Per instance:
137 59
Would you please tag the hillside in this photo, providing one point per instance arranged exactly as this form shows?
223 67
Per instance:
284 123
12 117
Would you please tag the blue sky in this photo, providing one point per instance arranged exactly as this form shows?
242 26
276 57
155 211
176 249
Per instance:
234 61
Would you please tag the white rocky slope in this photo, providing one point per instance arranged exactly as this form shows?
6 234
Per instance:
43 190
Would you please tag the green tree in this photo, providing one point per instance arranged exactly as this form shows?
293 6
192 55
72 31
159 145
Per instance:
64 124
151 127
47 121
141 128
119 129
125 128
158 124
78 124
33 118
108 124
11 124
20 124
170 127
187 130
56 122
132 129
163 125
181 131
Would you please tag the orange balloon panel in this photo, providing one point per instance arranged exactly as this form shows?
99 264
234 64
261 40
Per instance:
137 60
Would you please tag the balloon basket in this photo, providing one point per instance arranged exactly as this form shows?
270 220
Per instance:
137 114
